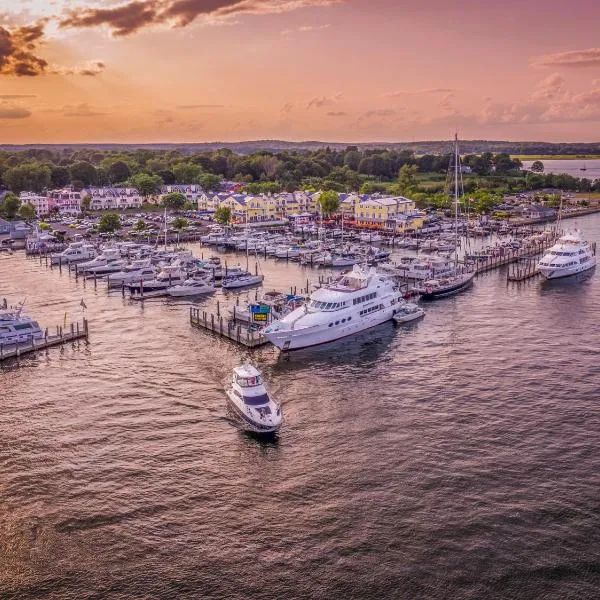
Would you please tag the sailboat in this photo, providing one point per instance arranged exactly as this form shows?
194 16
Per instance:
584 168
460 279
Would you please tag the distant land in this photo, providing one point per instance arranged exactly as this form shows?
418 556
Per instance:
423 147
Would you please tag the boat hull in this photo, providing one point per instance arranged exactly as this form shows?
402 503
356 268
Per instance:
445 291
246 421
558 272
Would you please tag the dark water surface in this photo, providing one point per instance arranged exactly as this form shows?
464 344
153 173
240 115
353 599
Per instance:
456 458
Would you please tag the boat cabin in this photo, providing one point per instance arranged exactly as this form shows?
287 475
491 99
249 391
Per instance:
247 376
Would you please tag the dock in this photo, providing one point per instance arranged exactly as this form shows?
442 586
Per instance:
522 270
75 331
226 328
513 256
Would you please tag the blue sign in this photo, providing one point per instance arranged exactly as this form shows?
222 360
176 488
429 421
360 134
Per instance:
260 309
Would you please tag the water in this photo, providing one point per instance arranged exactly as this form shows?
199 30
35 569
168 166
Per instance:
454 458
570 167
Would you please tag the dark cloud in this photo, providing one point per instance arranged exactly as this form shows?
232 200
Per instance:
135 15
18 48
7 111
574 58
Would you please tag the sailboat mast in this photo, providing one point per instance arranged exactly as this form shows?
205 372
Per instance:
165 228
246 233
456 198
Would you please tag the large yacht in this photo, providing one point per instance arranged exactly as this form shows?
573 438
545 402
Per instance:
251 403
169 276
570 255
76 252
16 328
358 300
139 270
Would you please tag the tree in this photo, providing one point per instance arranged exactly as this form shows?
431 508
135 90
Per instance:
44 226
179 223
537 166
85 203
109 222
119 171
146 185
27 212
209 182
185 172
140 225
329 202
32 176
223 214
59 177
407 178
83 171
10 206
174 200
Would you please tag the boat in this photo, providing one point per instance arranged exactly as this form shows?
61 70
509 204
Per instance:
74 253
250 402
242 280
461 278
139 270
358 300
409 312
273 304
112 265
169 276
16 328
190 287
107 255
570 255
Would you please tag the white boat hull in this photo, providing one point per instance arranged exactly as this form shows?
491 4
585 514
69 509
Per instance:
558 272
249 419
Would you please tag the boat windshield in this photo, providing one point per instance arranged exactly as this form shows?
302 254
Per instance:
248 381
256 400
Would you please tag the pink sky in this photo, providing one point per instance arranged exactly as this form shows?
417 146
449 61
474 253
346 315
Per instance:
334 70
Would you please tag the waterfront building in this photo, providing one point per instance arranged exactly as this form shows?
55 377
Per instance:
65 201
38 201
113 198
395 213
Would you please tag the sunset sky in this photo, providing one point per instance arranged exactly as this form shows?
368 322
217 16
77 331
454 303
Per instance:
333 70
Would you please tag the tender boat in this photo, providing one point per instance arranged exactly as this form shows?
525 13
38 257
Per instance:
569 256
190 287
409 312
358 300
250 402
16 328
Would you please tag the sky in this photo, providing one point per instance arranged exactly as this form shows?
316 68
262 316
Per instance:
139 71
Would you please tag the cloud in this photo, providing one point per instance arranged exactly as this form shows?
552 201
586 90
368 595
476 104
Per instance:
336 114
287 108
136 15
573 58
199 106
306 28
8 111
81 110
16 96
423 92
90 69
378 112
18 47
319 101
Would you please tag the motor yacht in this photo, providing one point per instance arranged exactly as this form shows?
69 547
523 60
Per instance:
169 276
191 287
74 253
108 254
358 300
139 270
16 328
570 255
231 282
250 402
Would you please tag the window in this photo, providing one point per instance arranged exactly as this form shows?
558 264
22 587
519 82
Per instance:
22 326
330 324
337 322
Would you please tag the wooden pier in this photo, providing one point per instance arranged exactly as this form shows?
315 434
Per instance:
75 331
512 256
522 270
227 328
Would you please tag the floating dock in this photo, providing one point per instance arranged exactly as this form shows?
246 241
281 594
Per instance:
76 331
227 328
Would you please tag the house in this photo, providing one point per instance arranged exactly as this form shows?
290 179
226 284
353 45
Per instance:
394 213
38 201
113 198
65 201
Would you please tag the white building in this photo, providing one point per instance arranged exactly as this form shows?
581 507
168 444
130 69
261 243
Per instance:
113 198
38 201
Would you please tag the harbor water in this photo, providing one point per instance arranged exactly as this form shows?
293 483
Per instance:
584 169
453 458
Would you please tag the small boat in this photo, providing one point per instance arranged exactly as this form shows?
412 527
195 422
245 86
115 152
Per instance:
243 280
190 287
250 402
409 312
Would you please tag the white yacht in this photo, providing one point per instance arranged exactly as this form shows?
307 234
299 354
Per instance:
251 403
76 252
169 276
190 287
358 300
107 255
16 328
570 255
409 312
139 270
241 280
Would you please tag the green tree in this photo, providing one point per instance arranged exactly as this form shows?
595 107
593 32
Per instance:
85 203
27 212
10 206
209 182
119 171
32 176
189 205
83 171
140 225
179 223
146 185
109 222
59 177
537 166
185 172
329 202
407 178
174 200
44 226
223 215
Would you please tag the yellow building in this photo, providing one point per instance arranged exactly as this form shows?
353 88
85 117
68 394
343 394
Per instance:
390 213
